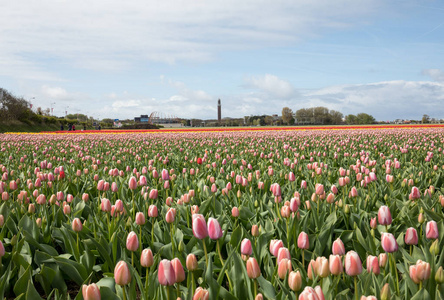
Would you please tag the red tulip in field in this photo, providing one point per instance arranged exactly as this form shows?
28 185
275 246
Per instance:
199 161
353 265
166 274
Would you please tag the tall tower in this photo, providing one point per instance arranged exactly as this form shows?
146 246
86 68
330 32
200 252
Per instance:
219 111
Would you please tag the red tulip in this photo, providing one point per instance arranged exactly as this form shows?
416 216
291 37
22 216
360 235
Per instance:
200 230
166 274
353 265
122 274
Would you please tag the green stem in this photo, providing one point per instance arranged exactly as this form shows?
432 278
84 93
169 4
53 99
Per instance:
193 284
172 240
255 288
146 281
152 232
168 292
205 250
303 260
288 233
78 242
132 258
124 293
178 289
356 288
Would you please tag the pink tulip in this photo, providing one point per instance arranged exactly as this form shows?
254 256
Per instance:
140 218
335 264
373 223
77 225
388 242
415 194
165 175
353 265
319 189
309 293
322 267
253 269
384 216
2 250
246 248
191 262
214 229
303 184
373 265
152 211
122 275
201 294
235 212
338 247
200 230
411 236
284 267
91 292
420 272
275 245
432 230
303 241
146 258
283 253
119 206
291 177
166 274
132 242
178 270
153 194
170 216
295 281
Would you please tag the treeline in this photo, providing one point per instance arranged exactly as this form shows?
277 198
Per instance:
323 116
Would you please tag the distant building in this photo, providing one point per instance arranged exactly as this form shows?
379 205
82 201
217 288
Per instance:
141 119
219 111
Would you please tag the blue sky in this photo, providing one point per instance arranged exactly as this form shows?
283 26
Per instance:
111 59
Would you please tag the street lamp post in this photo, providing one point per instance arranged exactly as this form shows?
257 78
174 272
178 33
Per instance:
52 108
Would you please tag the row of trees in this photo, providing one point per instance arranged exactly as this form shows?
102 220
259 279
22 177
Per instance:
322 115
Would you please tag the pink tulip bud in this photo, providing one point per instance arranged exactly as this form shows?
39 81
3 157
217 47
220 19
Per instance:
85 197
420 272
140 218
353 265
214 229
411 236
246 248
275 245
373 265
335 264
253 269
382 260
122 275
284 267
295 281
432 230
152 211
373 223
200 230
91 292
100 184
153 194
146 258
319 189
283 253
191 262
77 225
303 241
105 205
384 216
338 247
415 194
235 212
201 294
170 216
166 274
388 242
132 242
178 270
2 250
165 175
322 267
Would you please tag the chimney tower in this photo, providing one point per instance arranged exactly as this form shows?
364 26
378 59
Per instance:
219 112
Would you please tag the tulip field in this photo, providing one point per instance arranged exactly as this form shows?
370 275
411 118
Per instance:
334 213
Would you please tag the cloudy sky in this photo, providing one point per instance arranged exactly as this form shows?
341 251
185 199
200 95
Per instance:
120 59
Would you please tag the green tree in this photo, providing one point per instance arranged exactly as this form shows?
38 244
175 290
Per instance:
364 118
351 119
287 115
425 119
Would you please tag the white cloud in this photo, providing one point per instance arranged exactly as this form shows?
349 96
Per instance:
54 92
272 85
435 74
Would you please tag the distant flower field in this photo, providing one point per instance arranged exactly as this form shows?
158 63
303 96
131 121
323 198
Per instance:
247 213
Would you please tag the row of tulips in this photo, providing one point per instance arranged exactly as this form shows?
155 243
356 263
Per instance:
271 215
